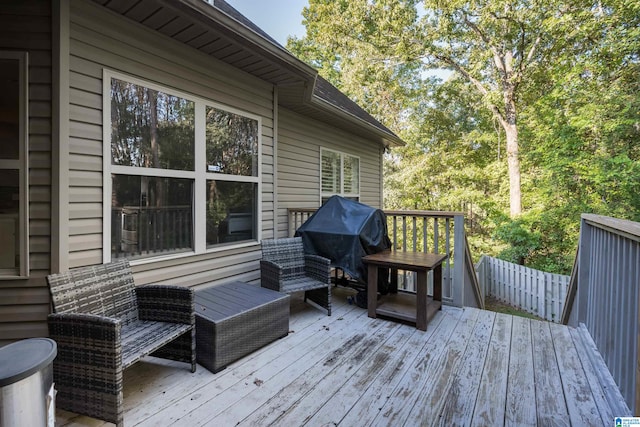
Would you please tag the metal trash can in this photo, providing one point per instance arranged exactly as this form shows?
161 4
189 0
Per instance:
27 396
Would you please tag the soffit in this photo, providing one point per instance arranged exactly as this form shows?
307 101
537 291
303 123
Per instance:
220 32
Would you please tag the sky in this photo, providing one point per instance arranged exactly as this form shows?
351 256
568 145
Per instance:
282 18
278 18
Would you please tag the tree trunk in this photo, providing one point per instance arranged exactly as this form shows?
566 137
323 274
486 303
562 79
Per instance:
513 162
155 149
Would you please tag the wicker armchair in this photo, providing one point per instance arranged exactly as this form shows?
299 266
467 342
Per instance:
286 268
102 324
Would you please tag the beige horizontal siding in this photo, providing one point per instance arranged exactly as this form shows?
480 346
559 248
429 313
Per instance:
102 40
299 143
237 264
24 303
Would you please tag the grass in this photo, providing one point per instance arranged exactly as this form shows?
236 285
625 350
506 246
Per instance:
493 304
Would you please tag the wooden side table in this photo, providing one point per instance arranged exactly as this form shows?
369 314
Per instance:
418 309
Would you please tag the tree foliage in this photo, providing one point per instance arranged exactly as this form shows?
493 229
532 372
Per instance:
571 71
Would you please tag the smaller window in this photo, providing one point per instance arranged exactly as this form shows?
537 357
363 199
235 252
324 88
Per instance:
151 216
231 212
232 143
150 128
340 175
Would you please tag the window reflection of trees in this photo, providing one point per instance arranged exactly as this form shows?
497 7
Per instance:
231 211
150 128
232 143
153 210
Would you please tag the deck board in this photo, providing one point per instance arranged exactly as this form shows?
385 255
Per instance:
520 409
490 406
458 409
550 410
439 380
394 377
579 397
471 367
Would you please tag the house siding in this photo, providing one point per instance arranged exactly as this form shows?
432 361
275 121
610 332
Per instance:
24 303
99 40
299 141
66 178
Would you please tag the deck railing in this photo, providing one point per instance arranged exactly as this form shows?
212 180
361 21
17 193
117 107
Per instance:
427 231
145 230
604 296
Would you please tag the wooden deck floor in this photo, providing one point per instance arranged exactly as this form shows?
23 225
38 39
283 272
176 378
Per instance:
471 367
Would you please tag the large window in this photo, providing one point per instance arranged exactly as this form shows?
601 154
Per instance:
340 174
184 172
13 164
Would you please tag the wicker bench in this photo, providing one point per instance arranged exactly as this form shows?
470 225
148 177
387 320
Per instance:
235 319
103 324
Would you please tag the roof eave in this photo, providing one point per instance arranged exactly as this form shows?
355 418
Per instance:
206 12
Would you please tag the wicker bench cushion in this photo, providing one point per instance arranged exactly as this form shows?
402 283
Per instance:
141 338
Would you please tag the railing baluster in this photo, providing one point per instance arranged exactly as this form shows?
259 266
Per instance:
415 231
424 234
448 248
404 233
395 232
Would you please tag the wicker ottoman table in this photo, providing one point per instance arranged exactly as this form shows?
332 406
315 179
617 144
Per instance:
235 319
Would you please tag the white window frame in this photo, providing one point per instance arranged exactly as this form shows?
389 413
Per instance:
341 192
200 175
21 165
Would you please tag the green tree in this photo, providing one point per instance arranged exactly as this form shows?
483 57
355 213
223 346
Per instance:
555 81
492 44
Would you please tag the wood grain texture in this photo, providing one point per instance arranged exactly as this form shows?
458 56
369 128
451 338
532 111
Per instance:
471 367
551 411
490 406
520 409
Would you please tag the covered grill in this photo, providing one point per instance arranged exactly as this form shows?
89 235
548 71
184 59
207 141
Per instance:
344 231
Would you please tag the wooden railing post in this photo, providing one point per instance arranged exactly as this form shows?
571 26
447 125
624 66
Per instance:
458 261
584 273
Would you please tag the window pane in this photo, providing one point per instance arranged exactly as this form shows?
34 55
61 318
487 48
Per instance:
231 211
330 172
232 143
151 129
9 109
9 219
351 175
151 216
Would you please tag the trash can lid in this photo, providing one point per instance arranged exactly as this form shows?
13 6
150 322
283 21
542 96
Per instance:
24 358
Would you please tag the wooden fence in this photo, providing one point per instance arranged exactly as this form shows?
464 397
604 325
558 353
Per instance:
537 292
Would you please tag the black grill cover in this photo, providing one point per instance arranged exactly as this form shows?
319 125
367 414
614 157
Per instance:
344 231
